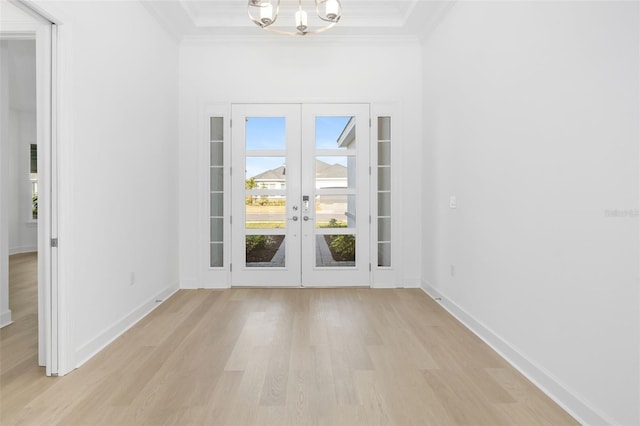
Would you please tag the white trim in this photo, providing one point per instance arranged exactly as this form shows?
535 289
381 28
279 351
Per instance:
384 284
15 32
62 110
638 178
5 318
544 380
409 11
22 249
40 12
198 285
107 336
47 326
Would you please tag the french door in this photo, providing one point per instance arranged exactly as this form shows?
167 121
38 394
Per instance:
300 195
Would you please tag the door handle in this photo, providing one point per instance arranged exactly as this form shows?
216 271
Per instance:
294 218
306 218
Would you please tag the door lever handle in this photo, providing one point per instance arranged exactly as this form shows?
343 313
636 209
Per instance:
294 218
306 218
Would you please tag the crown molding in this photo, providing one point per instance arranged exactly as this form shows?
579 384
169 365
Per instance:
264 38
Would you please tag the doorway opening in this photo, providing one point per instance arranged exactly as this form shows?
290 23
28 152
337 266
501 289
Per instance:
28 194
20 188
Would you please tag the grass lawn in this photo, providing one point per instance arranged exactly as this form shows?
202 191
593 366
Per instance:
280 225
264 225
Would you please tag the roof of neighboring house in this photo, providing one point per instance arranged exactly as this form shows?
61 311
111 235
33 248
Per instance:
333 171
275 174
323 170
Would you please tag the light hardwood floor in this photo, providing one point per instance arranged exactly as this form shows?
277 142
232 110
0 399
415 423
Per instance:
274 357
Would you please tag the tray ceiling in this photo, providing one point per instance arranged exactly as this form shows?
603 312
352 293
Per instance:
186 18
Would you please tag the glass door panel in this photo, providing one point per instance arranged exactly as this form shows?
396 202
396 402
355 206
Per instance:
335 211
265 233
265 212
335 243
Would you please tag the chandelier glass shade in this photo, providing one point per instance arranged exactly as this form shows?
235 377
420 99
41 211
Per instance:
265 13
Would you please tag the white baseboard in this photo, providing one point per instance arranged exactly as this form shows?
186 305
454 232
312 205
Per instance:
195 285
5 318
545 381
22 249
88 350
411 282
384 285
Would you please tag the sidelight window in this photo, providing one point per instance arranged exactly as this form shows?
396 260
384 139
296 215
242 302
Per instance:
216 192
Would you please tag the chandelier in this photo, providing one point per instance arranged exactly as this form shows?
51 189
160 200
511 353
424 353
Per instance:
264 14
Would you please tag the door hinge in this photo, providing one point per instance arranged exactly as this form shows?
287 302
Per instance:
369 219
369 266
369 170
230 220
230 267
54 242
230 123
369 121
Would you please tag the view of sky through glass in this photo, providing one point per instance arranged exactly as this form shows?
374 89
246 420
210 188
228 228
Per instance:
328 130
269 133
265 133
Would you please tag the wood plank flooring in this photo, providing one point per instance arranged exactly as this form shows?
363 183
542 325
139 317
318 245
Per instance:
274 357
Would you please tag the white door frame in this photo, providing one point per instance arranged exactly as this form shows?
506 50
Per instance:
45 34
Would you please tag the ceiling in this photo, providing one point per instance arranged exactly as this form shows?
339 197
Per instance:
206 18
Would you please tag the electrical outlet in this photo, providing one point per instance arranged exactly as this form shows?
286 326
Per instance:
132 278
453 202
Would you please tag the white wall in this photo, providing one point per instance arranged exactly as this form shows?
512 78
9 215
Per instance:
119 170
531 120
289 69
